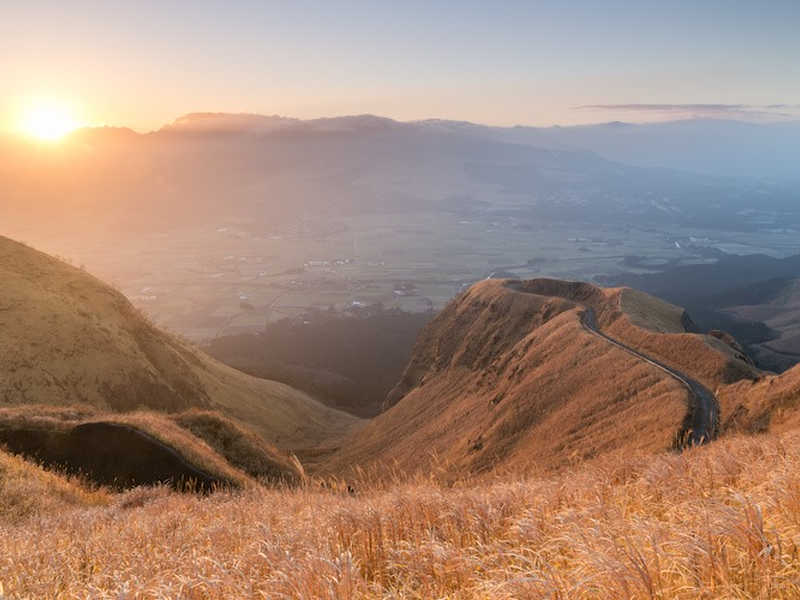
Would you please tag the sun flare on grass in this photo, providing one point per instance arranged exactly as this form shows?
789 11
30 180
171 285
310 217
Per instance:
48 121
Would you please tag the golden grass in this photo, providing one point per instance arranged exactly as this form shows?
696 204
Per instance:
721 521
27 490
240 446
769 403
653 327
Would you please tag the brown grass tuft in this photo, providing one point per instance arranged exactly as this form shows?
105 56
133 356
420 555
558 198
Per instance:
241 447
27 490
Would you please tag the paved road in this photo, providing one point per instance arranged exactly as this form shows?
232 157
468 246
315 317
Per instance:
702 421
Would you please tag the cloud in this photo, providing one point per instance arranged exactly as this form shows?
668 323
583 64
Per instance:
731 111
666 107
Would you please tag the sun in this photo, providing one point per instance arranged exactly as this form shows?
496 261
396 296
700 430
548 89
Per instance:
48 121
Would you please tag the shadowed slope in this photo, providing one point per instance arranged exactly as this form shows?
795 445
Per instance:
110 454
203 449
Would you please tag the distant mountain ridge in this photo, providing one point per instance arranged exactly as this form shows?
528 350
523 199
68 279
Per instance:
720 147
266 124
711 146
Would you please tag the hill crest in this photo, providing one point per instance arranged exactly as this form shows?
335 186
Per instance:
508 376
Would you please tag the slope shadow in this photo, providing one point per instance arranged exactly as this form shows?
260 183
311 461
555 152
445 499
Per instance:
110 454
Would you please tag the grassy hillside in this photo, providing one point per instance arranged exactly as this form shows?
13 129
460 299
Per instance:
510 378
714 522
754 297
770 404
70 339
640 323
240 446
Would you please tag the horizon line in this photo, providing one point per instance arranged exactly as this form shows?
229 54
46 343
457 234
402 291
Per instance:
443 120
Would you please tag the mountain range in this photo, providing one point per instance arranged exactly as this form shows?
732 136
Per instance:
275 170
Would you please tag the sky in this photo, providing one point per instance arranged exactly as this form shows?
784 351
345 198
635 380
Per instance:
142 64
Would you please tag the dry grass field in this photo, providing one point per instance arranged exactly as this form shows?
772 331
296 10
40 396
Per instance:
720 521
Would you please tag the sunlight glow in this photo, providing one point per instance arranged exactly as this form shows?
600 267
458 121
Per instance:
48 121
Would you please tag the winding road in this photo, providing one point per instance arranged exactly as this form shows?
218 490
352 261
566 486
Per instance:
701 423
